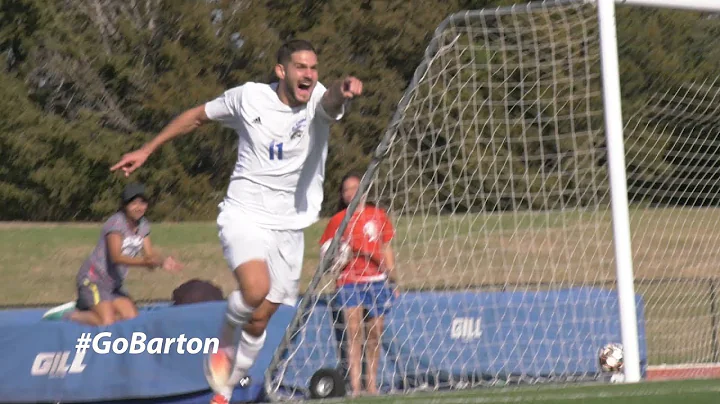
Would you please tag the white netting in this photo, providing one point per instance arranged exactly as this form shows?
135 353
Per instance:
674 185
494 175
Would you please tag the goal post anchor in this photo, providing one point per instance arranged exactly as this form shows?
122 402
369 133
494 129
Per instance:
612 99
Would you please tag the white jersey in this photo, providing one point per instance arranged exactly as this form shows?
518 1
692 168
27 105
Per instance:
280 169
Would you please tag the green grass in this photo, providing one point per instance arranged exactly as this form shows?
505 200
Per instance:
686 392
40 261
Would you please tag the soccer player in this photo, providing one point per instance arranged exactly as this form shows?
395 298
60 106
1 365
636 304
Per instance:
365 284
102 299
275 192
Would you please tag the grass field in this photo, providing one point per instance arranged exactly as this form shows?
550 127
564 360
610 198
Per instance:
686 392
40 261
675 256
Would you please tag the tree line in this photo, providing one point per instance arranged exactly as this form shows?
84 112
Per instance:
84 82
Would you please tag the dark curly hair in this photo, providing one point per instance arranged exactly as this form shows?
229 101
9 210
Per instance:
284 54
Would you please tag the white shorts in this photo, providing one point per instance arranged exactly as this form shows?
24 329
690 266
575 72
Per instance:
282 250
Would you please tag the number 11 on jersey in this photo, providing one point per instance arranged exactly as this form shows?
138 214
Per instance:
276 148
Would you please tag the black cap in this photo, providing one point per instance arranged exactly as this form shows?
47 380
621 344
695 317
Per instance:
132 191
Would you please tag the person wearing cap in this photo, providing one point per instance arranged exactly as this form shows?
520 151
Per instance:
102 299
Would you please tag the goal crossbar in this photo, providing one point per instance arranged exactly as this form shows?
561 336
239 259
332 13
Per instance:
696 5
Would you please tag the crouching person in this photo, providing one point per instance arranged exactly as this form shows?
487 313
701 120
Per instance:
102 299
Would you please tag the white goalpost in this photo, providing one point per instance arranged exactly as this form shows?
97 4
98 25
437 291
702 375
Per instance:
541 212
612 100
612 103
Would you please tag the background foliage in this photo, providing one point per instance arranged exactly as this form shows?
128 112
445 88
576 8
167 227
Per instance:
85 81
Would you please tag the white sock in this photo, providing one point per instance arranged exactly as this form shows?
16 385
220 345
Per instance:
227 334
237 314
247 351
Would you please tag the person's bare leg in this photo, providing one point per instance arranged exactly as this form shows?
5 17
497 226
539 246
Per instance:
102 313
252 339
125 309
253 281
354 338
374 328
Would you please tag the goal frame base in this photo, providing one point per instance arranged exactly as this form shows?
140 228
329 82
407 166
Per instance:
683 372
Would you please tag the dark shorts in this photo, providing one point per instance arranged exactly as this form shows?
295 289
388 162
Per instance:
376 297
91 293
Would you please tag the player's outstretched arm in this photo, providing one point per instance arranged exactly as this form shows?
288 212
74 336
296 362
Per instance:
186 122
340 92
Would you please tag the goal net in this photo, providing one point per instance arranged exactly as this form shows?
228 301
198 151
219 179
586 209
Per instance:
494 176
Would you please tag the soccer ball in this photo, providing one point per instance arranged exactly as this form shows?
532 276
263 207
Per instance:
341 259
611 358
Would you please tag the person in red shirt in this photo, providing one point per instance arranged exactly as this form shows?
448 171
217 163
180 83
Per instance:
366 284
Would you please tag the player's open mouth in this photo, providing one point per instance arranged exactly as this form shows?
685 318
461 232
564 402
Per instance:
304 88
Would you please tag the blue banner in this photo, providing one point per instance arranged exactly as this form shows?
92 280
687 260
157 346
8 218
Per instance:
430 338
42 364
448 339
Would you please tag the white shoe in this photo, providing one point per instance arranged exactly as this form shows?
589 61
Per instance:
57 312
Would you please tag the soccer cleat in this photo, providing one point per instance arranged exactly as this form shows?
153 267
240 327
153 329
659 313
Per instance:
218 367
59 312
219 399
